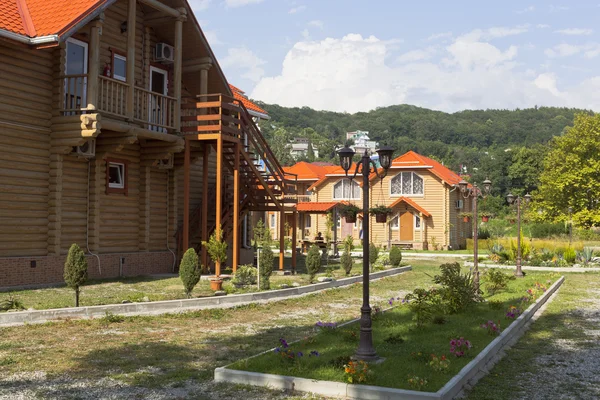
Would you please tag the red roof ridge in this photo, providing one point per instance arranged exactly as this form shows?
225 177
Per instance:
26 17
411 203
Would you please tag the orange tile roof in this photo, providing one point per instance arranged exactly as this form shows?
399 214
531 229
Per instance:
412 159
238 94
411 203
34 18
306 171
316 207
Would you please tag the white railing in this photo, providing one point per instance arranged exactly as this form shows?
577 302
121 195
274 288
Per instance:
112 96
157 110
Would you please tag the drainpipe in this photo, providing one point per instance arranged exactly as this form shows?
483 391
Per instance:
87 219
168 248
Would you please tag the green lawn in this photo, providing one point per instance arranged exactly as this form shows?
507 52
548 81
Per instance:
336 344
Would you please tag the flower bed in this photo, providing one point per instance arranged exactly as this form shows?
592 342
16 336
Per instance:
420 358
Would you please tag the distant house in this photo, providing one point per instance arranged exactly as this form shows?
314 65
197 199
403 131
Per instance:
299 148
422 193
362 142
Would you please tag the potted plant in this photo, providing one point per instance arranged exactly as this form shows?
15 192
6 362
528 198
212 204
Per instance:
217 250
485 216
380 213
349 212
466 216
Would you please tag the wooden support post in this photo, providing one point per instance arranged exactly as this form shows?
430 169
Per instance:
236 208
204 221
281 239
177 67
131 31
294 229
94 64
186 196
219 195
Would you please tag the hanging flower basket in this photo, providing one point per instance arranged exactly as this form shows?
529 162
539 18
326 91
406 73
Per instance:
381 213
485 217
466 217
349 212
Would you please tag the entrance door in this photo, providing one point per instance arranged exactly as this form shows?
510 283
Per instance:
406 227
76 68
157 113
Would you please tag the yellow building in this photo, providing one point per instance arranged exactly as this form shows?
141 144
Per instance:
422 193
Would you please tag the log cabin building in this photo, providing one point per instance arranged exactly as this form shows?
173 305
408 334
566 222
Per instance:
119 132
422 193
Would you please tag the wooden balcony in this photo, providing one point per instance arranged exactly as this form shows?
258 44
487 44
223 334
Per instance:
152 111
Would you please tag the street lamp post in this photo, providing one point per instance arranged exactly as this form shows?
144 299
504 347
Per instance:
366 351
474 192
517 202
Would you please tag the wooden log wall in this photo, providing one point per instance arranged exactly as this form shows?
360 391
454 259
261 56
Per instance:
74 202
158 210
25 112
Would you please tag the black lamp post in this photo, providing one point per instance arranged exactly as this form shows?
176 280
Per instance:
474 192
366 351
516 200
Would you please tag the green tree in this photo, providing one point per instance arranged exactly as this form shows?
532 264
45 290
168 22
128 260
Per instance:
76 270
571 176
217 249
395 256
526 167
189 271
310 153
266 267
313 262
373 254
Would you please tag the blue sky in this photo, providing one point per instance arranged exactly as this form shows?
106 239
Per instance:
350 55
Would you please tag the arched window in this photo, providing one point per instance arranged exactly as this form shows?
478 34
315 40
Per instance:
346 189
407 183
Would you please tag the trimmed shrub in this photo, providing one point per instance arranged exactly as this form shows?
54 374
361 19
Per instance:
570 255
346 261
458 290
75 273
348 244
313 262
189 272
547 229
373 254
245 275
395 256
266 267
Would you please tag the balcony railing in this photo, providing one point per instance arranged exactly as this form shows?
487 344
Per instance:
154 111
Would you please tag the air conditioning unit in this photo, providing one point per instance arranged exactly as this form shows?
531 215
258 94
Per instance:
165 163
459 204
86 150
164 53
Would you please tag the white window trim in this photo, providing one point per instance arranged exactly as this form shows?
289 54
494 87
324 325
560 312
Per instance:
397 227
86 54
417 228
122 58
307 222
273 221
122 172
352 183
406 195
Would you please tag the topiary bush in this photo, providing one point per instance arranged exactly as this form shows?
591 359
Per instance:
189 271
395 256
346 261
373 254
265 262
245 275
313 262
76 270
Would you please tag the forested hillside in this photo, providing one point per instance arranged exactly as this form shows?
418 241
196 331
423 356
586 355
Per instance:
505 145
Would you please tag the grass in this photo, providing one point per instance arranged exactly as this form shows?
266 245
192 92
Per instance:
388 327
153 288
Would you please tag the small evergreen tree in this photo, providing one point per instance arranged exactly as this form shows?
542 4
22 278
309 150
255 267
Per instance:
265 262
189 272
75 273
373 254
346 261
313 262
395 256
217 250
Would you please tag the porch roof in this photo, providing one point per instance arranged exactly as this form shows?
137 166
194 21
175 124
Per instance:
411 203
316 207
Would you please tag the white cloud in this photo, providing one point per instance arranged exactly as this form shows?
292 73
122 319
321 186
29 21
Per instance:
241 3
350 74
575 31
244 59
212 38
493 33
416 55
316 23
305 34
199 5
442 35
589 50
297 9
542 26
526 10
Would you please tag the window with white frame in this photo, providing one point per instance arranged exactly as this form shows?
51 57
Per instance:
395 223
119 67
273 221
407 183
346 189
308 222
417 222
116 175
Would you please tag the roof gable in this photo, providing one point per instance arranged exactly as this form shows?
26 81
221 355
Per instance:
306 171
239 95
414 160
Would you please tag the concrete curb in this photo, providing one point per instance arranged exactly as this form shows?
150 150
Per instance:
466 376
170 306
529 268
